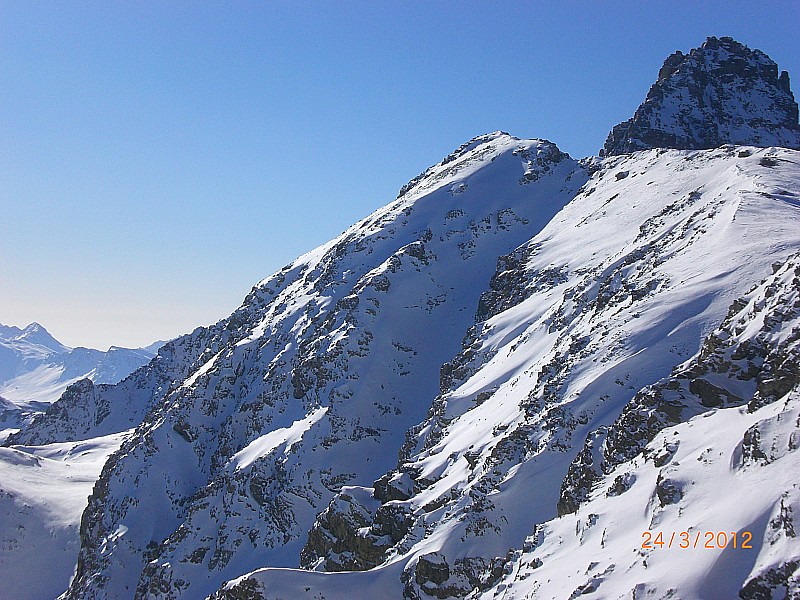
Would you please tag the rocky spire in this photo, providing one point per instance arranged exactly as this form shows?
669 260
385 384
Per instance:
720 93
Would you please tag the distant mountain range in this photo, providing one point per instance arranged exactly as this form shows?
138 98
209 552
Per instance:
35 369
528 376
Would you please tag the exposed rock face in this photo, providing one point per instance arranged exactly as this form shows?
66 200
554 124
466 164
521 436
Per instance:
433 577
720 93
346 535
752 358
78 411
582 474
772 583
246 589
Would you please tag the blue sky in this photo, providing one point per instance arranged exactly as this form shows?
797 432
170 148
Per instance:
157 159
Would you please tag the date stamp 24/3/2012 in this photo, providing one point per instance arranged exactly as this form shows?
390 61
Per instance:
710 540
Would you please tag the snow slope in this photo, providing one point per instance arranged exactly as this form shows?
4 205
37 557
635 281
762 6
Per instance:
729 470
620 288
43 492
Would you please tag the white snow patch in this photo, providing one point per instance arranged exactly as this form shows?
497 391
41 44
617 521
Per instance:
268 442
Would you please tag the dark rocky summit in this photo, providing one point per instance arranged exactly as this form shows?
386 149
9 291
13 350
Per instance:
720 93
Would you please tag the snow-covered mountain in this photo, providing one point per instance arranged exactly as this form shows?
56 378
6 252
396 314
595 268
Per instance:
704 455
23 349
35 368
314 381
604 302
495 386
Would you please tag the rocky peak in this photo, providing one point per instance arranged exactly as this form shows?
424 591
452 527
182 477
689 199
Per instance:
720 93
35 333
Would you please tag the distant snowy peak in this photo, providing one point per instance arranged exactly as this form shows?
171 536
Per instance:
32 335
36 368
36 334
720 93
9 331
22 350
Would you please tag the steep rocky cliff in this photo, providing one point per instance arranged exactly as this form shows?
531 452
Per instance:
720 93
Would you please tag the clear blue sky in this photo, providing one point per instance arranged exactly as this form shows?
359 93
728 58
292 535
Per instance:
157 159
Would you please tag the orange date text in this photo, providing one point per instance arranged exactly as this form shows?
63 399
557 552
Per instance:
710 540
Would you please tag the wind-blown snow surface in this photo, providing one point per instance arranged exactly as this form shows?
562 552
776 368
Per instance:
43 492
600 547
340 352
620 288
730 470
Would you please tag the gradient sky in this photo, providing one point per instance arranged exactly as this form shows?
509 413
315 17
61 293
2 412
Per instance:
157 159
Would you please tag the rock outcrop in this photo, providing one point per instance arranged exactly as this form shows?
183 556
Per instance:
720 93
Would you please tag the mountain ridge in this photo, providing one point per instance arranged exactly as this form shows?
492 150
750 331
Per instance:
316 333
36 370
